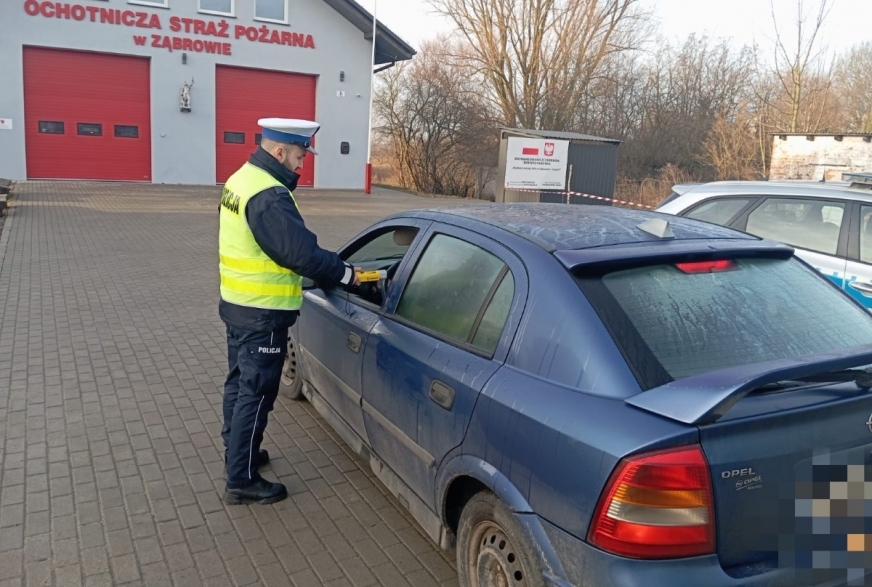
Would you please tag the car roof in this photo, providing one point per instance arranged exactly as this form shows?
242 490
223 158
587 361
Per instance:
577 226
835 189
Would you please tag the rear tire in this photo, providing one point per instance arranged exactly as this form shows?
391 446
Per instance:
492 549
292 382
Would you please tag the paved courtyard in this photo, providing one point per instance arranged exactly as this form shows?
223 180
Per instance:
112 358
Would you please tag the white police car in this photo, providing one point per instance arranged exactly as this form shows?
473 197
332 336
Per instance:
830 224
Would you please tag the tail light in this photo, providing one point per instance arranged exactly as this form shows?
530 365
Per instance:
657 505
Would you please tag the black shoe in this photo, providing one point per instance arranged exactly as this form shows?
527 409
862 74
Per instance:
260 460
261 491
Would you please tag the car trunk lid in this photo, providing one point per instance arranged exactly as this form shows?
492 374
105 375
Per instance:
763 429
762 466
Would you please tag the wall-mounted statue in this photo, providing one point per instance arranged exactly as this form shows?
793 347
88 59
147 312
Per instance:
186 96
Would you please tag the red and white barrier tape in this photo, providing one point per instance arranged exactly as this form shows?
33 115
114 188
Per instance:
591 196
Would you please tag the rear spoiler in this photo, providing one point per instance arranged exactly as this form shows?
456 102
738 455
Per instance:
705 398
669 251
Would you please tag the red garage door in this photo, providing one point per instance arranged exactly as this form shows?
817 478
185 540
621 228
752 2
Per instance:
243 96
87 115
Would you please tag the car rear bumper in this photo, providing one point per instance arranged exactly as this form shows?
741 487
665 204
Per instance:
585 566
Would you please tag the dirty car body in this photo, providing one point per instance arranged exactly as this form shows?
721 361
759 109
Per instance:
641 404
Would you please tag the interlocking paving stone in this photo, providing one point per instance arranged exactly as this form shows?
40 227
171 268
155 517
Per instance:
112 358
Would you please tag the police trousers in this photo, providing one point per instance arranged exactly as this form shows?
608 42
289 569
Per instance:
255 361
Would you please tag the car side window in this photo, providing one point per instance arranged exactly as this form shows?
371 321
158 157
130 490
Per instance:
808 224
460 291
387 246
866 234
718 211
383 251
490 329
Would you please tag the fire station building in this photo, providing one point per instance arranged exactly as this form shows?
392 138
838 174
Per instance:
170 91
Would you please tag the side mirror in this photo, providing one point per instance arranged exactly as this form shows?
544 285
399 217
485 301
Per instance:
309 283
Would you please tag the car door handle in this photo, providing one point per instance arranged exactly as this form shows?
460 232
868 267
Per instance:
353 342
862 287
443 395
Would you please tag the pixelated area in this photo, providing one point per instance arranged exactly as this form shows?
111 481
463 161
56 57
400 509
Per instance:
831 543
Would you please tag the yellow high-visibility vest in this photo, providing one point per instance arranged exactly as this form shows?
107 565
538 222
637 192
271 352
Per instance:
248 276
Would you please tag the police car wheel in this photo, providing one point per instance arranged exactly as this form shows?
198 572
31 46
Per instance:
292 383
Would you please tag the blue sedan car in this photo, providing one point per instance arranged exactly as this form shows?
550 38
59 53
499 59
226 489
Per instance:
594 396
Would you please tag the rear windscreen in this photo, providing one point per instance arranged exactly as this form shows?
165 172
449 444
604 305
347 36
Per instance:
672 323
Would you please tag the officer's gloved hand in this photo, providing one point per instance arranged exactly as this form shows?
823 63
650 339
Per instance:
350 278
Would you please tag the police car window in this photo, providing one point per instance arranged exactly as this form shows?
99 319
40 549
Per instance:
719 211
808 224
866 234
449 287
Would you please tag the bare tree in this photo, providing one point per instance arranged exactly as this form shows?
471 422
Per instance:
617 100
801 70
432 115
696 111
730 148
539 57
853 82
663 107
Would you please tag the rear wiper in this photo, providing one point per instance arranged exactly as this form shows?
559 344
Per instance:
862 377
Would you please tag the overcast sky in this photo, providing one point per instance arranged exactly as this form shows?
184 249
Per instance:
849 22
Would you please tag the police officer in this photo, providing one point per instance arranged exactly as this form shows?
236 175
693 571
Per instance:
265 250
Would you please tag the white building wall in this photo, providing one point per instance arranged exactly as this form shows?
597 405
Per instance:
183 144
796 157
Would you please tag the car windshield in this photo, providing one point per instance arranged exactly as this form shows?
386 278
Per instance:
673 321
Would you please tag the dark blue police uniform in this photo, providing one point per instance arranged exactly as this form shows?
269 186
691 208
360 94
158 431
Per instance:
257 338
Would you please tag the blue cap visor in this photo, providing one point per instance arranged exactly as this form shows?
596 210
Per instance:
285 137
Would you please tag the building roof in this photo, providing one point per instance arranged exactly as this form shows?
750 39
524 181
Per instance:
389 47
556 134
820 134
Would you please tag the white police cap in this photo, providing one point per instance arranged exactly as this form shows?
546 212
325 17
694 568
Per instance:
290 130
